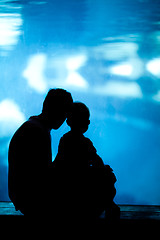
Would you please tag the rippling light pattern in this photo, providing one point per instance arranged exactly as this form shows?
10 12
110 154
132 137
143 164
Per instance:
106 53
9 29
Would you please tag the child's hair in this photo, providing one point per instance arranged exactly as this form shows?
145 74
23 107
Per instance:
78 115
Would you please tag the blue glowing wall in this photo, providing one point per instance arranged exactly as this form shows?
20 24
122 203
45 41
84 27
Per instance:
107 53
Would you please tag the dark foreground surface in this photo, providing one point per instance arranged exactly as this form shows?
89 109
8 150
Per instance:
128 212
146 218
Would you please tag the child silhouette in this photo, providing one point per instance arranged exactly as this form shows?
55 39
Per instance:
75 150
82 178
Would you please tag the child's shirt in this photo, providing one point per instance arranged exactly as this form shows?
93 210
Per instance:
77 151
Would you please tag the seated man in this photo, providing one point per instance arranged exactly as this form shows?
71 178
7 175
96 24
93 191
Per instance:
30 154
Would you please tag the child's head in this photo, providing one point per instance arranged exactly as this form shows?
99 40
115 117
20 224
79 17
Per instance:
78 117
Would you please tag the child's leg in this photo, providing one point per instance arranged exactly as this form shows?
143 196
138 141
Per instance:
112 212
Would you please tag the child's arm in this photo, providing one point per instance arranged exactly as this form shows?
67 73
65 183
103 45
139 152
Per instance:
95 159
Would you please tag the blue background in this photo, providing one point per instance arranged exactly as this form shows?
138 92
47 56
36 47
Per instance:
107 54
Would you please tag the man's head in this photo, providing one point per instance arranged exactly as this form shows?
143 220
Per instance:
78 117
56 106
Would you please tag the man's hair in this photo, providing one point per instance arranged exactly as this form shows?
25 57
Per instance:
57 99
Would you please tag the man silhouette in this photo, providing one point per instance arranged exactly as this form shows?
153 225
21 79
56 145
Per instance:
30 154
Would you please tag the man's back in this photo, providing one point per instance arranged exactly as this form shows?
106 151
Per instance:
29 157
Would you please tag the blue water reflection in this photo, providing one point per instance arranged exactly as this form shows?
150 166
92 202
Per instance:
107 53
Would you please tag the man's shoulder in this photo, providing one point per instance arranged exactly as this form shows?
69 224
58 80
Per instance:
26 127
33 124
29 129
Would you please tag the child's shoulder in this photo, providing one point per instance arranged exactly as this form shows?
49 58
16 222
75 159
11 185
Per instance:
80 138
87 140
66 136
